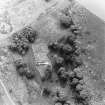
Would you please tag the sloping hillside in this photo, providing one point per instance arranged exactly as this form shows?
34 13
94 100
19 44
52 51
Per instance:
44 17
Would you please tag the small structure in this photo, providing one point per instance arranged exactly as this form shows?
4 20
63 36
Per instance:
42 61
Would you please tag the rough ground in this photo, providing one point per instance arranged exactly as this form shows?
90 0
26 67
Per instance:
44 17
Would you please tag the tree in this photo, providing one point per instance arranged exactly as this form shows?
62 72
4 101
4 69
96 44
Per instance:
67 104
53 46
23 69
76 61
71 40
12 47
58 103
79 87
84 93
81 82
65 22
29 33
74 81
48 73
22 47
19 44
78 73
22 39
46 92
75 29
57 62
62 75
67 49
20 65
71 75
61 71
29 73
